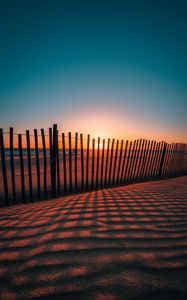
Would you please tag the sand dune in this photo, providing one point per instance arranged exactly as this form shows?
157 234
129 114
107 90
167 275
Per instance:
120 243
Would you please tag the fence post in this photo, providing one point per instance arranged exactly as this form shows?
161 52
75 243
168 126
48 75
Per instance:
29 164
44 162
12 164
54 159
3 163
21 166
162 161
70 163
37 162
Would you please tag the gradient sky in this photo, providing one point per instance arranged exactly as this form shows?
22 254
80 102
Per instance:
109 68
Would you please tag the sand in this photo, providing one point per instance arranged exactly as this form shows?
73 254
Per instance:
120 243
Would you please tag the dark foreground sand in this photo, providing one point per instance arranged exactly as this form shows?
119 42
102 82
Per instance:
121 243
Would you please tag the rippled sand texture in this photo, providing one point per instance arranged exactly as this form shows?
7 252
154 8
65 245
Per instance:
121 243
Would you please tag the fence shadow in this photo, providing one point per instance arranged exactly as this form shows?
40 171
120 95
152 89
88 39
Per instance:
119 243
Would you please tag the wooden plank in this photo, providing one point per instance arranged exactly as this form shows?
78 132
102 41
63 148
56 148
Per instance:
93 163
128 163
51 156
75 161
82 163
97 168
12 164
115 162
153 161
44 162
134 150
29 164
21 167
148 160
57 163
141 160
145 161
111 160
70 163
162 161
124 165
37 163
3 165
157 160
134 173
54 156
64 162
106 164
119 163
165 160
102 163
87 162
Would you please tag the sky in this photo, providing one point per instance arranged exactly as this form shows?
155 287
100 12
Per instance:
108 68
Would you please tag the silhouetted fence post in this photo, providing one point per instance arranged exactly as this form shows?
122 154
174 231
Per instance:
54 159
102 163
64 162
97 169
93 163
87 162
21 166
76 144
37 162
29 164
45 163
3 164
12 165
162 161
70 164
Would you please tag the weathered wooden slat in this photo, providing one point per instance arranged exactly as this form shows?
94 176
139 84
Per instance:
140 164
70 163
106 164
143 158
21 167
115 162
162 161
57 164
93 163
29 164
12 164
102 163
124 164
3 165
64 162
87 162
119 163
37 163
147 161
128 164
111 161
75 161
97 167
44 162
153 161
151 145
134 173
51 155
54 159
134 150
82 163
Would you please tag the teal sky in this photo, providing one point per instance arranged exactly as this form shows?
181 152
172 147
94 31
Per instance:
109 68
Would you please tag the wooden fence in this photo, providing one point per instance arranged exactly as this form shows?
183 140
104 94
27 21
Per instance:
40 166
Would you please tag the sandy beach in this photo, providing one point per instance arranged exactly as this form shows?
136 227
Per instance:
120 243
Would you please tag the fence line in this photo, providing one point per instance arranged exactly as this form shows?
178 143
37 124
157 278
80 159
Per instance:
77 164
